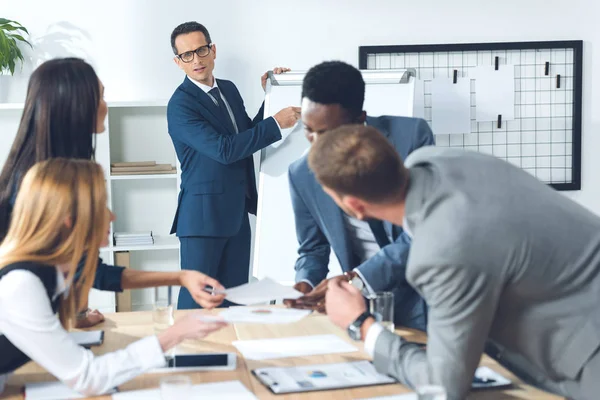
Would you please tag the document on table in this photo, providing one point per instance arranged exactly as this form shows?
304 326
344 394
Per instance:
261 291
229 390
259 315
297 346
310 378
51 391
88 338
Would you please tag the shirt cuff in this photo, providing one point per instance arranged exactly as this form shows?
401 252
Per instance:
369 289
309 282
277 123
371 339
149 353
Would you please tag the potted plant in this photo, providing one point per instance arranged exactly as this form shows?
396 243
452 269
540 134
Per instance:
11 35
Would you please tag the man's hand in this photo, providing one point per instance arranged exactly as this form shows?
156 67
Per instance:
276 71
303 287
89 319
343 302
287 117
195 282
314 300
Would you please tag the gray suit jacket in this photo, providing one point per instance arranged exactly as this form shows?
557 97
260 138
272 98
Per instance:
500 258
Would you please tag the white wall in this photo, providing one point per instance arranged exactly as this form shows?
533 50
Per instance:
128 41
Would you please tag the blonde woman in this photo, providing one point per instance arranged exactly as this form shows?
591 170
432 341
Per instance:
60 214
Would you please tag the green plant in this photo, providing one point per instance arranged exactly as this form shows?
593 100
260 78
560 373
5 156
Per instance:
10 36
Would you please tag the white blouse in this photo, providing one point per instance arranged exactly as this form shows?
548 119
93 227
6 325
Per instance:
27 320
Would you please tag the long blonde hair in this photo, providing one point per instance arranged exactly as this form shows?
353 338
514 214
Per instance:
60 215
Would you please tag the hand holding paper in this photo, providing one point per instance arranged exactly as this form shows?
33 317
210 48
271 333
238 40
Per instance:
262 291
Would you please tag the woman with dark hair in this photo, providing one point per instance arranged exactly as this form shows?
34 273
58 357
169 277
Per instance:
64 109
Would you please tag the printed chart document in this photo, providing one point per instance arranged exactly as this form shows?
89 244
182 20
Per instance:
451 106
494 93
320 377
260 315
262 291
265 349
229 390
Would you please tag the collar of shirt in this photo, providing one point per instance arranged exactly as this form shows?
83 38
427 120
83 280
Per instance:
205 88
61 284
406 228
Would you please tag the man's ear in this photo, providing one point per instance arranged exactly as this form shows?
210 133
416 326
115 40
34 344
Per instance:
356 205
362 118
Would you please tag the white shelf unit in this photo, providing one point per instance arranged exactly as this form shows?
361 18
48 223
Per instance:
135 131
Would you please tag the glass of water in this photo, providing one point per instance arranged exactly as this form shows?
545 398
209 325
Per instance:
175 387
431 392
381 305
163 311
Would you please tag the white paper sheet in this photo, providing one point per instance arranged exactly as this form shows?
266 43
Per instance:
50 391
262 315
264 349
230 390
451 106
261 291
494 93
287 96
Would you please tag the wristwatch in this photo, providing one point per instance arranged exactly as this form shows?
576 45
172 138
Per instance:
355 280
354 328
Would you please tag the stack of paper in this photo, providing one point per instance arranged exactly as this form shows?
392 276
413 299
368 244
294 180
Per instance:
299 346
133 238
259 315
262 291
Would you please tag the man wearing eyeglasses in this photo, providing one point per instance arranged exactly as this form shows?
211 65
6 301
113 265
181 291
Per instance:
215 139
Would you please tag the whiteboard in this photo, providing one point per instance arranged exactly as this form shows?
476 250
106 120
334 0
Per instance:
275 244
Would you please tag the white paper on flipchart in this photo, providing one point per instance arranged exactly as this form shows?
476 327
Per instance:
262 315
494 93
261 291
229 390
298 346
390 99
287 96
419 101
450 106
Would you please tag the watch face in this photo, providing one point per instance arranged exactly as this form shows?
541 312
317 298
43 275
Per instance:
357 283
354 332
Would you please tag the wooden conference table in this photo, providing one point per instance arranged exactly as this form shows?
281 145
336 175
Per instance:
124 328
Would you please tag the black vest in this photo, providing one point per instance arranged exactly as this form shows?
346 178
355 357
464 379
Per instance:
13 358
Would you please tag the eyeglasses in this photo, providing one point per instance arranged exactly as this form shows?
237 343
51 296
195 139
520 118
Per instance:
201 51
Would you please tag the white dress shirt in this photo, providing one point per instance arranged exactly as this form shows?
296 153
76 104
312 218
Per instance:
206 89
27 321
376 329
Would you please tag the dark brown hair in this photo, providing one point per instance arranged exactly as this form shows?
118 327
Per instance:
59 120
357 160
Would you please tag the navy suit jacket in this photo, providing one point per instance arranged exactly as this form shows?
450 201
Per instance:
217 170
320 223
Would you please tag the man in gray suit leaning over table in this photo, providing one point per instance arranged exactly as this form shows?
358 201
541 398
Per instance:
506 264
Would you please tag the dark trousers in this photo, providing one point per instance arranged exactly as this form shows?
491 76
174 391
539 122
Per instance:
227 259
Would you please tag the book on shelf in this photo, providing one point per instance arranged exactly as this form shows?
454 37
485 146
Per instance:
171 171
133 164
157 167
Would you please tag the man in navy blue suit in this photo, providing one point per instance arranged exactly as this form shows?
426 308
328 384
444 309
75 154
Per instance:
373 253
214 140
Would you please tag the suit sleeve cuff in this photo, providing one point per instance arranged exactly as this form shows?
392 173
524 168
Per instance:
277 123
371 339
368 290
309 282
